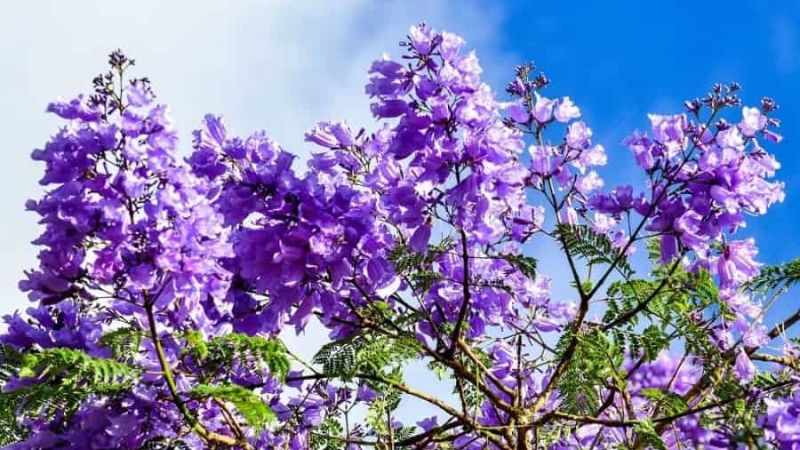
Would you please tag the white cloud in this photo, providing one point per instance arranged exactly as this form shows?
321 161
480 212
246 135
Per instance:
784 44
277 65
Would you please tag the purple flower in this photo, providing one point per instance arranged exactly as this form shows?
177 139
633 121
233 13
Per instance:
419 240
365 393
389 108
668 129
744 368
543 109
428 423
737 263
752 121
566 110
331 135
579 135
235 238
519 113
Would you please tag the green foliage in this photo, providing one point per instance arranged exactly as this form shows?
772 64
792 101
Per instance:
10 360
364 354
669 303
595 361
220 352
647 435
387 401
162 443
72 367
595 248
374 358
10 430
438 369
625 299
326 436
416 266
653 247
381 410
525 264
257 413
653 340
64 378
773 277
626 296
338 358
765 379
669 403
197 344
424 279
123 342
405 260
548 435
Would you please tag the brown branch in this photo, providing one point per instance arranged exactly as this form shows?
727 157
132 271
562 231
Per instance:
785 325
783 360
207 435
625 317
462 314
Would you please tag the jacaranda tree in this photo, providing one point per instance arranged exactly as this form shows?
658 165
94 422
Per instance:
165 280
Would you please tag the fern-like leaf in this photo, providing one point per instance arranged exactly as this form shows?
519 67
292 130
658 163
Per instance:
773 277
257 413
595 248
525 264
221 351
123 342
60 380
364 353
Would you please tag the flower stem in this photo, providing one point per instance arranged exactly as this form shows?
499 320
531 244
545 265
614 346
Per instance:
203 432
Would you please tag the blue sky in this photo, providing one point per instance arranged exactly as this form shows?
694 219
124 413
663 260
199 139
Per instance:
283 65
620 60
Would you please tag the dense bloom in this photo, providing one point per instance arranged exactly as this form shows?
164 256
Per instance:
165 284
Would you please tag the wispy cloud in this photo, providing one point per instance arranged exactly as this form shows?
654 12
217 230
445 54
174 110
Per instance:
276 65
784 44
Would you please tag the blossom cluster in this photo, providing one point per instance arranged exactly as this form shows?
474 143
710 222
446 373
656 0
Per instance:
408 243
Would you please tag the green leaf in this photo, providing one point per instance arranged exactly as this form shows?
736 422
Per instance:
594 361
257 413
653 246
669 403
364 353
71 366
773 277
337 358
595 248
326 435
221 351
653 341
647 435
525 264
65 377
163 443
196 345
123 342
406 260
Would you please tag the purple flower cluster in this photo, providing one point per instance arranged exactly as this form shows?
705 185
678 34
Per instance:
666 375
124 220
782 422
298 240
127 228
703 181
413 234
